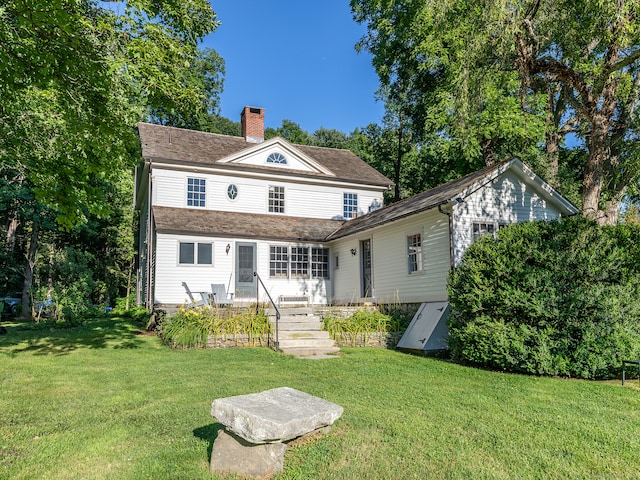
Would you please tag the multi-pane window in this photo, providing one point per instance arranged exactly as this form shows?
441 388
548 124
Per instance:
299 261
278 261
196 192
196 253
481 229
414 252
320 262
350 205
277 158
276 199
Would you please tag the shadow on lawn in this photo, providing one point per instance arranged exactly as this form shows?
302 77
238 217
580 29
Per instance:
208 433
115 333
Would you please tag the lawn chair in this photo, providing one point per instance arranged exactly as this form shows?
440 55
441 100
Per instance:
219 294
199 303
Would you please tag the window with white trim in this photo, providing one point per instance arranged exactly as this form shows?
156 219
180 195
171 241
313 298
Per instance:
277 158
278 261
196 192
320 262
480 229
193 253
414 252
350 205
276 199
299 261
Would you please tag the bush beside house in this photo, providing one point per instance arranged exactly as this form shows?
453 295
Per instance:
549 298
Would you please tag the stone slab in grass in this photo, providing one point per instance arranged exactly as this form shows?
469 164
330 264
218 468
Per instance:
234 455
276 415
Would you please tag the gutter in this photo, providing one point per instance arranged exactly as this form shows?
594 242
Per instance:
449 214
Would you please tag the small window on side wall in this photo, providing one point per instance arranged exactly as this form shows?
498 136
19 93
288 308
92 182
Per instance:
480 229
414 252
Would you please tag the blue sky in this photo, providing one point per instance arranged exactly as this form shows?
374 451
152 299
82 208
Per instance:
297 60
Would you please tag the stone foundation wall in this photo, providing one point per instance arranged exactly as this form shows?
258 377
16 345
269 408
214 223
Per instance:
226 341
371 339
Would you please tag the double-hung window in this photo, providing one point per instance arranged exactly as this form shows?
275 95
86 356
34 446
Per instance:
276 199
278 261
196 192
414 252
350 205
299 261
192 253
320 262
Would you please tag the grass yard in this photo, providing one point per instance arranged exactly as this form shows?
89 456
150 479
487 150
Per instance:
102 402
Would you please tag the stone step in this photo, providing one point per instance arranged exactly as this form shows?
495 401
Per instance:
299 326
289 311
306 342
299 335
311 352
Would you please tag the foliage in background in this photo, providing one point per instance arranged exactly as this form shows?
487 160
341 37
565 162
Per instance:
75 79
491 80
192 327
549 298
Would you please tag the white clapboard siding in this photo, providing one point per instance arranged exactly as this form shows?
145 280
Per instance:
170 274
508 199
392 282
346 270
301 200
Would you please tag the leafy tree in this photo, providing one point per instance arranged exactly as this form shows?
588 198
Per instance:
330 138
75 78
290 131
497 79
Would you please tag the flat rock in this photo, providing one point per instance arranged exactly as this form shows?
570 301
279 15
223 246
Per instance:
275 415
232 454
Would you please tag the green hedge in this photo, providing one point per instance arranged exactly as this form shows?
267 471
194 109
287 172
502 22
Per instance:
549 298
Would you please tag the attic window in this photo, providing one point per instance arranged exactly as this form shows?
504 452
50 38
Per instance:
277 158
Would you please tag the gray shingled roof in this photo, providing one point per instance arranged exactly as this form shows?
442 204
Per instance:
215 223
193 148
417 203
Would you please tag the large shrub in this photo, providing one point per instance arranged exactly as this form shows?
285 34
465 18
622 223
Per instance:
549 298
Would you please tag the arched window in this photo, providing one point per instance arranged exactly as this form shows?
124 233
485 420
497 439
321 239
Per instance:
277 158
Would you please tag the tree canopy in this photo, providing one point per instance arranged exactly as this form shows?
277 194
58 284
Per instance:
498 79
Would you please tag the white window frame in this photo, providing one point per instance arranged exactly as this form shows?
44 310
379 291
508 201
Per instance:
196 253
320 262
299 261
414 253
276 199
278 255
196 192
480 228
349 205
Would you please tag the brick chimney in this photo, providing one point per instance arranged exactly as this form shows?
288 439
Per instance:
252 120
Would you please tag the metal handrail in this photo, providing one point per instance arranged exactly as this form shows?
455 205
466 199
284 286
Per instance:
276 343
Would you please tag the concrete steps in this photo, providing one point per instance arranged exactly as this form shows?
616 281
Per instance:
300 334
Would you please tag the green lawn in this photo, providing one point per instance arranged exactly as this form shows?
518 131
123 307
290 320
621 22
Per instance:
103 402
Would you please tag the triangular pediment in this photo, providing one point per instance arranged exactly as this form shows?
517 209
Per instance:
278 154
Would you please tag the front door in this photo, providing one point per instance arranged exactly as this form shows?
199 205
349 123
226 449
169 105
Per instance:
245 266
365 259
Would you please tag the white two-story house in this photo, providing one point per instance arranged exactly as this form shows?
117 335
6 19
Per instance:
309 221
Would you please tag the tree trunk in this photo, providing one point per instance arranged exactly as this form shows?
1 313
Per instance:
12 228
28 274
